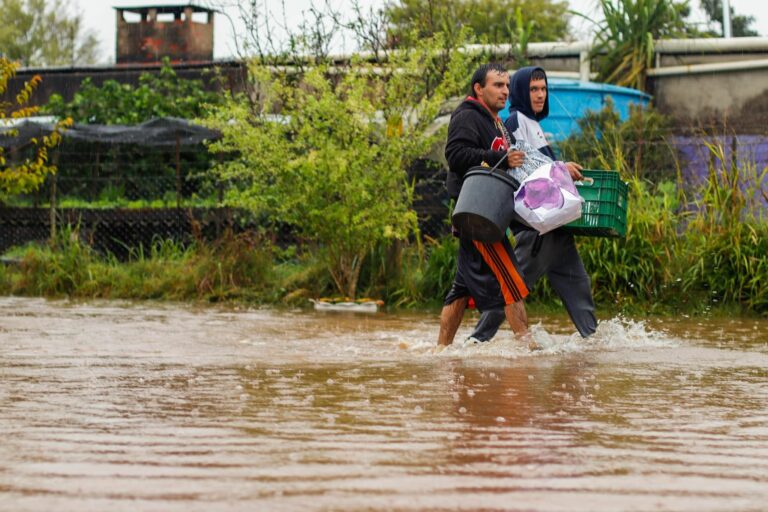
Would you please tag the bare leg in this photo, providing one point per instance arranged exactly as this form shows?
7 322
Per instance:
518 320
450 320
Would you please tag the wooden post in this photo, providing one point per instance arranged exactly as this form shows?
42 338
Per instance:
53 197
178 171
220 198
95 174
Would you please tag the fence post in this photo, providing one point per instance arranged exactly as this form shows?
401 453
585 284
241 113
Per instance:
219 198
585 66
53 196
178 171
93 188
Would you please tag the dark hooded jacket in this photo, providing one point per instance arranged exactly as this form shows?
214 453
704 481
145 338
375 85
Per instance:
523 123
474 137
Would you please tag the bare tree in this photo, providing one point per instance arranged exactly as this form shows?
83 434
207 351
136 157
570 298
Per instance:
369 28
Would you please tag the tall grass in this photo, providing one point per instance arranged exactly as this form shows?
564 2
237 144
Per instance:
688 247
411 275
643 267
728 235
235 267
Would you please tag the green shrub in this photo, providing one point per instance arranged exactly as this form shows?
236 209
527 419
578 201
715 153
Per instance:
234 267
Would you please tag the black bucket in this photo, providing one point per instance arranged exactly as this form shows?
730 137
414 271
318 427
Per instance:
486 205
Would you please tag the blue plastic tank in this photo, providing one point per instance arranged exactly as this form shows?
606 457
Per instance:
569 101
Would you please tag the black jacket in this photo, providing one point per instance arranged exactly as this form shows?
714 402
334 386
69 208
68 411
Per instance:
473 138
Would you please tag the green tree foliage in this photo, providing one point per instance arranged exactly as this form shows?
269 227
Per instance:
45 33
25 170
740 24
623 46
333 163
157 95
492 21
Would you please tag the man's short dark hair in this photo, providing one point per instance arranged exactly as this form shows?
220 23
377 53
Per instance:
538 74
481 74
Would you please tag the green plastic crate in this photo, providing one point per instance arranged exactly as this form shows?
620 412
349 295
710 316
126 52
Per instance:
604 212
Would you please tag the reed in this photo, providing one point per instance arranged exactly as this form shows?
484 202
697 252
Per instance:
728 235
691 247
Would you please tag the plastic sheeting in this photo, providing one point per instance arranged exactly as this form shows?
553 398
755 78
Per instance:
165 131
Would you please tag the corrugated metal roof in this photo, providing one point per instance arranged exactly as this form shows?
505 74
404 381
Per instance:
165 8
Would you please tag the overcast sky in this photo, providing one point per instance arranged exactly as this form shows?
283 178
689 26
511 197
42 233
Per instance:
99 17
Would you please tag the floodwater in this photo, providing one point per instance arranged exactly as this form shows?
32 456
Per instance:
122 407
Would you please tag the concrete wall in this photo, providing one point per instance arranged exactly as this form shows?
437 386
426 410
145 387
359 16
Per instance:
735 99
695 97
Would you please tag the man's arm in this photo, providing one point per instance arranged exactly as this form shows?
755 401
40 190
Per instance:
574 170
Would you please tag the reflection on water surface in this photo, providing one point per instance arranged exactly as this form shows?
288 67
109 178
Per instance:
110 406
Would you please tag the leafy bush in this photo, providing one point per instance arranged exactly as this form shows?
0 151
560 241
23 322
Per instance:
161 94
29 168
332 164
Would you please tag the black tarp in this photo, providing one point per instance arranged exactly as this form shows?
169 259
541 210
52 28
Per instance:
165 131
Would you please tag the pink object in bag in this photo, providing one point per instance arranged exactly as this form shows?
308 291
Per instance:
548 199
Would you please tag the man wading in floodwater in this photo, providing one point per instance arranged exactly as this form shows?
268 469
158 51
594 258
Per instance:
487 272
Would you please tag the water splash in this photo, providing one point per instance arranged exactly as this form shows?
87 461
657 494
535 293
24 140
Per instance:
620 332
613 334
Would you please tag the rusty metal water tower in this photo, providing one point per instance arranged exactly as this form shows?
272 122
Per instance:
183 33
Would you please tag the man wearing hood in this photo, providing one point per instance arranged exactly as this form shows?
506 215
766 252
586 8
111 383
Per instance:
486 272
553 254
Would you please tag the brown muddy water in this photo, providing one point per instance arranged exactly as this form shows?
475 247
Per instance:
117 407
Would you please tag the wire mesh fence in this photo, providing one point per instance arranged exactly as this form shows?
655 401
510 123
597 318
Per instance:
119 199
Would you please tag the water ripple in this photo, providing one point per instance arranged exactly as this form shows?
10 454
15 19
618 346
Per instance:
123 407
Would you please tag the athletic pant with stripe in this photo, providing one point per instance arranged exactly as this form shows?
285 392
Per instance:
488 273
558 259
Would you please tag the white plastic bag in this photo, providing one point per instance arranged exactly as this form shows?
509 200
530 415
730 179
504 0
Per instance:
548 199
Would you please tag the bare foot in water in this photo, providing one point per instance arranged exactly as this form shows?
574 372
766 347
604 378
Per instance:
533 345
